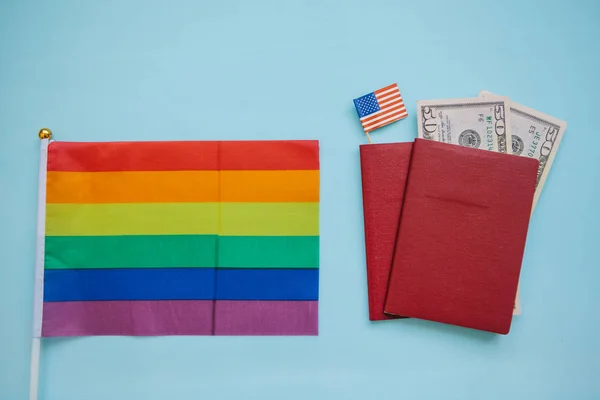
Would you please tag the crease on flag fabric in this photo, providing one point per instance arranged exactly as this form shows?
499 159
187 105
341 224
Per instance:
182 238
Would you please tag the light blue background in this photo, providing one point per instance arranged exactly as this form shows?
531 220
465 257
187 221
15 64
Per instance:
153 70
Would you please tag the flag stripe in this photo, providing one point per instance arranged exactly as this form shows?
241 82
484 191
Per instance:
270 186
183 186
388 97
268 252
133 156
133 187
181 251
383 113
183 156
384 89
267 284
384 122
180 284
137 318
387 121
236 219
129 284
277 317
392 102
132 219
394 91
269 155
150 251
269 219
385 117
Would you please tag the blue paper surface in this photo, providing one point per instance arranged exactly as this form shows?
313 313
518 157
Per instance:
191 70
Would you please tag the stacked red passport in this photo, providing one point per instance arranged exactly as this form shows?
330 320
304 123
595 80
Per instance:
445 230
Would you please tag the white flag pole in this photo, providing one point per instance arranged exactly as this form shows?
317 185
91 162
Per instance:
38 291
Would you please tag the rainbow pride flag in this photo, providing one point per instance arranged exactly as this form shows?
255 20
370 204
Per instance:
181 238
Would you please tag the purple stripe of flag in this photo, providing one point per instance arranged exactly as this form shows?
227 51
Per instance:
258 317
132 318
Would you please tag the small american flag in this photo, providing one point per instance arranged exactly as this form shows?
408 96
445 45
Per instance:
380 108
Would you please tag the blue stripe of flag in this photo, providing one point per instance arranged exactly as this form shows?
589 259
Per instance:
129 284
267 284
180 284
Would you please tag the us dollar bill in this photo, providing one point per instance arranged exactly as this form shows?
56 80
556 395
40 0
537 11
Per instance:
533 134
479 122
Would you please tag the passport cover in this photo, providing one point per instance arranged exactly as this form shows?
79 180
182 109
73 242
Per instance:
462 236
384 168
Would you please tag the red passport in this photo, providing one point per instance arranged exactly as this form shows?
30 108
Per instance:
462 236
384 168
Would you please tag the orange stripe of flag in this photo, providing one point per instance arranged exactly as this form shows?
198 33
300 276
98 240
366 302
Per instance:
270 186
132 187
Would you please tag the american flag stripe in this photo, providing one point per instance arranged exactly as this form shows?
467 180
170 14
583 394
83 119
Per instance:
381 121
386 103
383 108
382 98
384 123
391 118
391 108
385 89
379 114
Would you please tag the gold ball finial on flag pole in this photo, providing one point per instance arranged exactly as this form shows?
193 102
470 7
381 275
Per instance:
45 133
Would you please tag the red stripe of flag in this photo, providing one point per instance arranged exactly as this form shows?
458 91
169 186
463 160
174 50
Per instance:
382 98
388 120
395 85
383 102
387 109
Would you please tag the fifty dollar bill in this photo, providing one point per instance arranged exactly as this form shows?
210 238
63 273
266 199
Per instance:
533 134
479 122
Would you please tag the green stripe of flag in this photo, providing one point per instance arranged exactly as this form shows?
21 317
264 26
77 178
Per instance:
181 251
151 251
268 251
